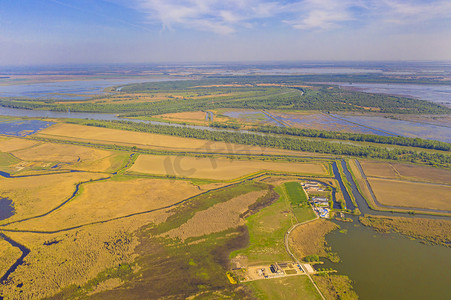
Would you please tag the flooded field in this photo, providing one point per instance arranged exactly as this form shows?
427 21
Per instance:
22 127
65 90
402 128
440 94
252 116
390 266
328 122
366 124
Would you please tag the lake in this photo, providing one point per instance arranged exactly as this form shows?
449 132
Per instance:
390 266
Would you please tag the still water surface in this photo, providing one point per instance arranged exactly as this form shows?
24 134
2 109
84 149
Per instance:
390 266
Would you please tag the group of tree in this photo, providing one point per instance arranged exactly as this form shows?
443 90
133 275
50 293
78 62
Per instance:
360 137
284 142
239 92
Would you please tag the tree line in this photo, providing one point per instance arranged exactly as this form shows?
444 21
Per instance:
283 142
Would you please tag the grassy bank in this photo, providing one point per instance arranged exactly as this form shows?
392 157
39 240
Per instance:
431 231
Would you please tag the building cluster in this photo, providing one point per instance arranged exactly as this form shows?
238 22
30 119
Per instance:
319 204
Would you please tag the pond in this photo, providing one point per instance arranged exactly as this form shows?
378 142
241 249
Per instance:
390 266
6 208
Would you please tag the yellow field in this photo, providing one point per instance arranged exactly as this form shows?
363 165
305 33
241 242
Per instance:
360 181
61 153
422 173
153 141
78 255
411 194
189 115
61 259
308 239
217 218
9 255
38 194
105 200
13 144
217 168
379 169
406 171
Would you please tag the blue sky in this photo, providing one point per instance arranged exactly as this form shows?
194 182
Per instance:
121 31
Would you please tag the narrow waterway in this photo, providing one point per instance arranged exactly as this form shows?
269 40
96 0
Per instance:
349 204
25 252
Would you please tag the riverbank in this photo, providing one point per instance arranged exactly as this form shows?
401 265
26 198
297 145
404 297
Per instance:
432 231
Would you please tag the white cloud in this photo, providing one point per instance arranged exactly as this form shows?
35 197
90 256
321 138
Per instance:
321 14
414 11
229 16
217 16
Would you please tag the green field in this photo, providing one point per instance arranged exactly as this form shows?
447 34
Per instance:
299 202
7 159
296 287
266 232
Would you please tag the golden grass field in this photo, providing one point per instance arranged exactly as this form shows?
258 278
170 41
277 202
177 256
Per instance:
217 218
188 115
217 168
153 141
13 144
379 169
74 257
38 194
105 200
109 163
411 194
192 117
361 182
432 230
9 255
308 239
405 171
61 153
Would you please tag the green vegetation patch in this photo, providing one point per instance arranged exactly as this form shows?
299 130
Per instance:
187 210
7 159
122 272
338 135
266 232
299 201
335 287
295 287
296 194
